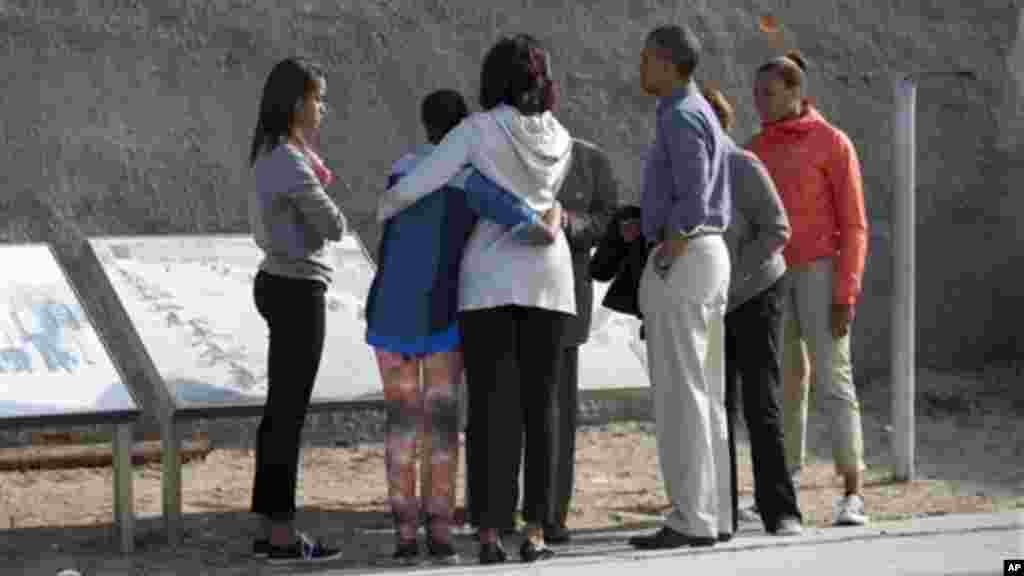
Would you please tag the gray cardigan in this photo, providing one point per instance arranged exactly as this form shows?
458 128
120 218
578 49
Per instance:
291 216
758 231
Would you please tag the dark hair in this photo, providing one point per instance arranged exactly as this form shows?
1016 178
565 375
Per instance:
677 44
288 84
441 111
720 104
797 58
517 72
792 68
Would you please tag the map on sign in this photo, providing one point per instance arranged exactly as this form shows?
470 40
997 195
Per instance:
190 299
51 359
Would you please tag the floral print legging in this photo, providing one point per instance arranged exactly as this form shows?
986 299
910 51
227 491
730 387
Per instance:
433 410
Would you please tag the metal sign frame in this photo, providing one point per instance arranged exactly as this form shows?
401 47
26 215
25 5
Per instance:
122 421
173 415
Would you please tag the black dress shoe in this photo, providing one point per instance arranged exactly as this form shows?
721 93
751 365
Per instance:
557 535
492 553
407 552
666 538
530 552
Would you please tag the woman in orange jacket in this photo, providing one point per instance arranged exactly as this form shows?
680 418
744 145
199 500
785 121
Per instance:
816 169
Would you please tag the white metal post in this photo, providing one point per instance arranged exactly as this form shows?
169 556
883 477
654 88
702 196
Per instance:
904 225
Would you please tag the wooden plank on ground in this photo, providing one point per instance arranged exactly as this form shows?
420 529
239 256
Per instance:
90 455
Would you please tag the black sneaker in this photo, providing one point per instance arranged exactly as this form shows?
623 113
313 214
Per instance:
304 550
407 552
442 553
260 548
492 553
530 552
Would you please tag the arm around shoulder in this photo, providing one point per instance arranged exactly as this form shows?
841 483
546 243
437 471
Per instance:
492 202
433 172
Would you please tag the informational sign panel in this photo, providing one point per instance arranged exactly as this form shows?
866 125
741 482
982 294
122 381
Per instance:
52 361
614 356
190 298
191 301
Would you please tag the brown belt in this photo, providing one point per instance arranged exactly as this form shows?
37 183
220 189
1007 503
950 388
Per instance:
690 237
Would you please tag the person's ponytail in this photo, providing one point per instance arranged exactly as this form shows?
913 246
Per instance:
797 58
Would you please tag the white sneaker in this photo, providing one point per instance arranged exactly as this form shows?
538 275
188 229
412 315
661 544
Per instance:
789 526
749 515
466 529
850 511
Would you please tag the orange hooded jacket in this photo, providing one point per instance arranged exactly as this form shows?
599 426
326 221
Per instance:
817 172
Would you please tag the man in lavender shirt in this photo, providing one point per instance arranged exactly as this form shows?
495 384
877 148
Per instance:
685 206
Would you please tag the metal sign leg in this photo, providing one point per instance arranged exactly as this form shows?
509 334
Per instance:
124 504
171 483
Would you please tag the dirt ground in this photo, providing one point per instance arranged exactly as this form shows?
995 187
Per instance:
969 460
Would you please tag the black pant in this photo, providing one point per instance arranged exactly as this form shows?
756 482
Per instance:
562 421
753 338
295 313
513 357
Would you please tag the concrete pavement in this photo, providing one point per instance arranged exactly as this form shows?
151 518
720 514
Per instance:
962 545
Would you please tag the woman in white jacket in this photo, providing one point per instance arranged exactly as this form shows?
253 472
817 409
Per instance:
515 297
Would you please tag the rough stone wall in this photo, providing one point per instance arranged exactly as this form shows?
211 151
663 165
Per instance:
132 116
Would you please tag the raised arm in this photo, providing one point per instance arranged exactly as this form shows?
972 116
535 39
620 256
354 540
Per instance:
491 202
433 172
494 203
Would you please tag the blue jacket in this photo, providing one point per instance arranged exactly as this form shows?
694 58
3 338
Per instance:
413 300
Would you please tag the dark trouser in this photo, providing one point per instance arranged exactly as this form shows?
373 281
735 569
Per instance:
513 359
753 336
562 423
295 313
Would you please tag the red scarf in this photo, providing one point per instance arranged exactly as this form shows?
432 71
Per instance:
323 173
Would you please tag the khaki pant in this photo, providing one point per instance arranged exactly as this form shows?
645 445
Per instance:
684 320
808 323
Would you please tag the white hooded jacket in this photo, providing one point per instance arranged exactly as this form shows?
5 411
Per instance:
528 156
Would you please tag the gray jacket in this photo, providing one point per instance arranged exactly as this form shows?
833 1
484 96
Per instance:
291 217
589 196
758 231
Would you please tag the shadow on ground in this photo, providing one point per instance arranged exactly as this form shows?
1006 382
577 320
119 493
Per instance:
219 542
